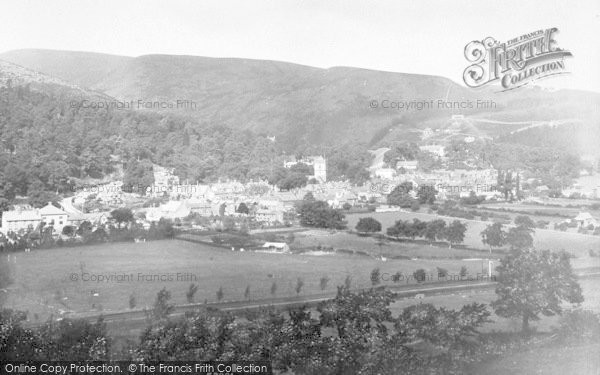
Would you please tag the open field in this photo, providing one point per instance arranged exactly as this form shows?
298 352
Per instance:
578 244
56 281
347 241
550 360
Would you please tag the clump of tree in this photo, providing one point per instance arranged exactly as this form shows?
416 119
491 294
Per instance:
454 233
368 225
319 214
401 195
533 283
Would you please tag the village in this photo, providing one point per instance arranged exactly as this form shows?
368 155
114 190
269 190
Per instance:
258 205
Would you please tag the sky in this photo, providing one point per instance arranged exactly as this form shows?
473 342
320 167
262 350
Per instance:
425 37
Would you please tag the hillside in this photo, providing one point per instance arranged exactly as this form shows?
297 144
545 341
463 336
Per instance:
301 105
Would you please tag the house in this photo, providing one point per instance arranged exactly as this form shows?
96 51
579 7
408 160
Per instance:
280 247
49 215
201 208
16 220
270 216
170 210
385 173
585 219
54 216
408 165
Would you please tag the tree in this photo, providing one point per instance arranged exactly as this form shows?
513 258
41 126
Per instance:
455 232
494 236
368 225
318 214
520 237
426 194
299 285
375 276
138 176
68 230
84 229
348 282
533 282
293 181
243 209
420 275
400 195
162 307
524 221
323 282
191 292
122 215
435 230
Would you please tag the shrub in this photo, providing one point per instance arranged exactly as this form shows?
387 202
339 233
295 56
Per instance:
420 275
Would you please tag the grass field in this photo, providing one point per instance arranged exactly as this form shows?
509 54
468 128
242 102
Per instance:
553 360
61 280
577 244
348 241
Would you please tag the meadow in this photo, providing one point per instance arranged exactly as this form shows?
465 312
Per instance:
103 277
575 243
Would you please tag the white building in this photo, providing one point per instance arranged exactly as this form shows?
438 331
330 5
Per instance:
49 215
409 165
281 247
585 219
385 173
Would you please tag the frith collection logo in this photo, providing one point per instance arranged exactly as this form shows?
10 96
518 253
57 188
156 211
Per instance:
515 63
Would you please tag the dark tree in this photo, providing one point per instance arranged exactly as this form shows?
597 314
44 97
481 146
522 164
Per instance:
494 236
455 232
122 215
368 225
533 282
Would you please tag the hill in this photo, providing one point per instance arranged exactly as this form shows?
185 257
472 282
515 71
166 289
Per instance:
301 105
